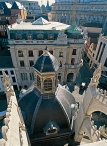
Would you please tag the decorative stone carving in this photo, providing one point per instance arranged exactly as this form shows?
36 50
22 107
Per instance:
62 36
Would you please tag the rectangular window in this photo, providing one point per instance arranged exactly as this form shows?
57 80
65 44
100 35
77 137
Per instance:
0 72
20 53
22 63
12 72
13 79
98 51
72 61
105 64
74 52
6 72
60 54
102 52
31 76
31 62
24 76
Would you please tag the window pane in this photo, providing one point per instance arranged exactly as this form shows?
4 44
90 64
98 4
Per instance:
22 63
12 72
31 62
29 37
74 52
20 53
40 52
30 53
13 79
48 84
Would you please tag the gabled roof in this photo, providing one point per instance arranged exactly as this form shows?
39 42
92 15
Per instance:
6 6
40 21
17 5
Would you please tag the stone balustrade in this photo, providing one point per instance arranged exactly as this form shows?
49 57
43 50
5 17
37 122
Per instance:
11 42
75 65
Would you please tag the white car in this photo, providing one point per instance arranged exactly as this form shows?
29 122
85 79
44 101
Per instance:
83 85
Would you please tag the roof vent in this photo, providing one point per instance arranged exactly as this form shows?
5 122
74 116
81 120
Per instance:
53 28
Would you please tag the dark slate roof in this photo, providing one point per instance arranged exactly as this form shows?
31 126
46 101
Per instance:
7 7
38 110
46 63
1 7
6 62
93 35
17 5
93 24
5 52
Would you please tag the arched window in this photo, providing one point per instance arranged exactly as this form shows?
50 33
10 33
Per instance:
51 51
30 53
48 84
60 63
38 82
20 53
59 77
70 77
40 52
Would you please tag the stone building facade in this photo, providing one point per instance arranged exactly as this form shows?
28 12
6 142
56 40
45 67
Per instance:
86 11
27 41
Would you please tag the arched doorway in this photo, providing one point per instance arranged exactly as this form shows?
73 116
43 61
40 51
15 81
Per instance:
70 77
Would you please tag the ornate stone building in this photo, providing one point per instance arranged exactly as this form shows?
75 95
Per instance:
86 11
27 41
50 111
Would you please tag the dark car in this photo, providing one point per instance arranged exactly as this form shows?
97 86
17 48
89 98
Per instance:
103 86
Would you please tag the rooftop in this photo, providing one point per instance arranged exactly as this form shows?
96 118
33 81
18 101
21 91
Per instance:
97 25
29 26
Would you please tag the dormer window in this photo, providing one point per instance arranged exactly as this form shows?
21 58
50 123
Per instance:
18 37
51 128
50 37
75 37
40 37
29 37
48 84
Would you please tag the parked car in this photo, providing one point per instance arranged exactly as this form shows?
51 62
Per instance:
103 86
83 85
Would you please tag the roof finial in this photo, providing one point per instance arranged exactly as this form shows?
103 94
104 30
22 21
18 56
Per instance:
46 49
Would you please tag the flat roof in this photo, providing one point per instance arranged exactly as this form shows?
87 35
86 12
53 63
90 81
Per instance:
29 26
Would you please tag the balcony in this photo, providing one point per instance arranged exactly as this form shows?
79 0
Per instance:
78 65
21 42
76 41
32 41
